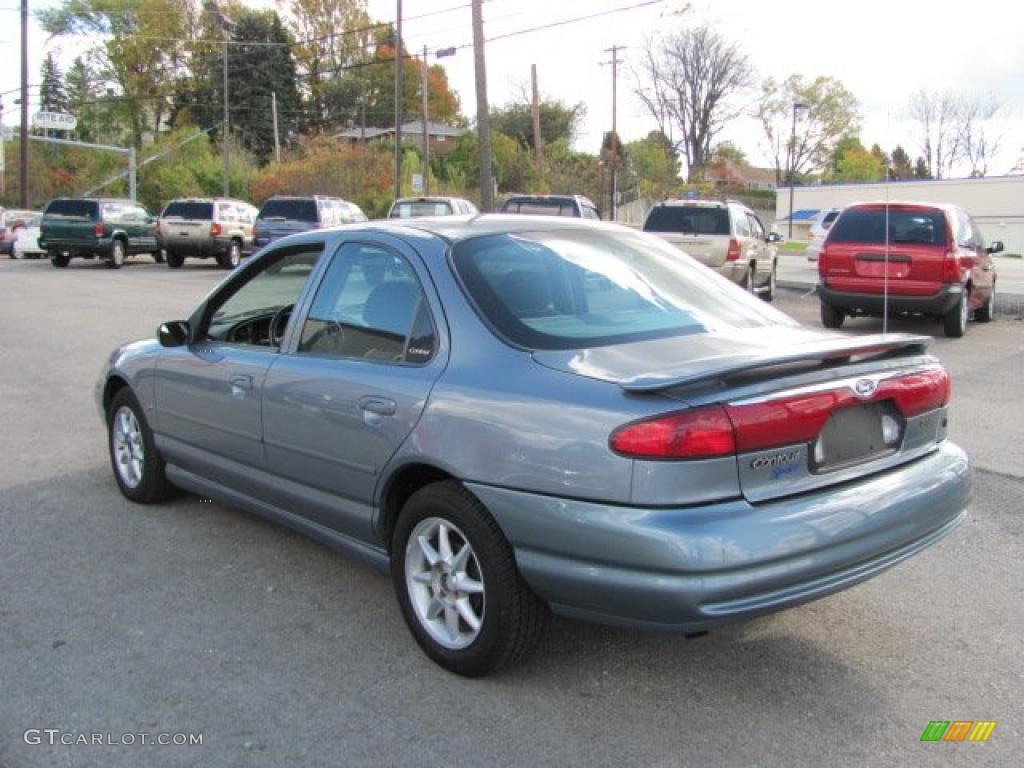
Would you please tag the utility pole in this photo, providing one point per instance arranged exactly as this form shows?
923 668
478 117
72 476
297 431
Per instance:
538 144
277 135
614 51
227 122
23 139
398 100
426 117
3 154
483 116
790 162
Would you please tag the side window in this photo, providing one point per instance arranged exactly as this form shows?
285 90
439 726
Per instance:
756 227
256 312
976 236
370 306
742 225
590 213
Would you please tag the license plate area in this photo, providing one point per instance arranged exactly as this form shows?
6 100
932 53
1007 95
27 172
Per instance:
855 434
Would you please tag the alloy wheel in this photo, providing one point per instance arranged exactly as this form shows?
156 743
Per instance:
129 448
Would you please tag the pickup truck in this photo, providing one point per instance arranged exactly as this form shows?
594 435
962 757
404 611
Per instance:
104 228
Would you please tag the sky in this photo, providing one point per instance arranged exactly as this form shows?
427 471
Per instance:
883 51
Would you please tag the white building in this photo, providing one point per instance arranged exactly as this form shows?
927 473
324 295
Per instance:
996 202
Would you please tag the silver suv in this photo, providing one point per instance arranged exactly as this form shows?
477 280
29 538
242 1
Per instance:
205 227
725 235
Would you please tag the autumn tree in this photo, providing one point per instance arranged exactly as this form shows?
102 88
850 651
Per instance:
829 113
690 82
138 46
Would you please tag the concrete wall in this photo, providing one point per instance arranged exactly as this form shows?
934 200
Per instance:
996 203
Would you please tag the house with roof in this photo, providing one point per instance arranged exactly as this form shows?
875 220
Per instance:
730 173
441 138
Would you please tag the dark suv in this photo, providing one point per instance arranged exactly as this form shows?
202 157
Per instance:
907 258
281 216
105 228
574 206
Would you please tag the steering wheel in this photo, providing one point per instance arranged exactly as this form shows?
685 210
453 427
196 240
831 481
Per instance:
278 324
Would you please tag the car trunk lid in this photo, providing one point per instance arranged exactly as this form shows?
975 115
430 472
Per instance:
806 409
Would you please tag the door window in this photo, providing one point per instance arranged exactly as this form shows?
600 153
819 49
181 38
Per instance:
370 306
256 311
756 227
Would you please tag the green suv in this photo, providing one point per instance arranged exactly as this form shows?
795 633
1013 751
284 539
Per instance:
97 228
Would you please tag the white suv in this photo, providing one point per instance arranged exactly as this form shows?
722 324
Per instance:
725 235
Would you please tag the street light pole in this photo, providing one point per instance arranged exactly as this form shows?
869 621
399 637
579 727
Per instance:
398 100
792 161
227 122
23 138
426 134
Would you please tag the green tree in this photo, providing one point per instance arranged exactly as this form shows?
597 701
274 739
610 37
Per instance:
652 167
921 169
558 121
138 43
52 95
727 152
902 165
830 113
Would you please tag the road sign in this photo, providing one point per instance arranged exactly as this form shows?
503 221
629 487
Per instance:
54 121
417 183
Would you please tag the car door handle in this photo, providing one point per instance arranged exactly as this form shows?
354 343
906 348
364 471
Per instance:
241 385
379 406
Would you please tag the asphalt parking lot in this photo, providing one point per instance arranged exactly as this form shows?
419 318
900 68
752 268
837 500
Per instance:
194 618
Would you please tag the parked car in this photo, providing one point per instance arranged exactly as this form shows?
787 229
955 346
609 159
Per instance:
528 414
281 216
907 258
822 222
219 228
725 235
572 206
415 207
27 245
12 220
104 228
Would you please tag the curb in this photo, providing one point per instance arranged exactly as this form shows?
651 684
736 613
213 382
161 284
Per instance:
1010 304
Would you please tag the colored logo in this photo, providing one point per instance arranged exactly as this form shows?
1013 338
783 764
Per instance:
958 730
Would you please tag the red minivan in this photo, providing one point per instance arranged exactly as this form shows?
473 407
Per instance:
907 258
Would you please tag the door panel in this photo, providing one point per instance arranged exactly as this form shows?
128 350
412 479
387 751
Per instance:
339 405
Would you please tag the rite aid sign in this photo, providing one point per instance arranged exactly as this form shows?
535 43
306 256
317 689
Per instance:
54 121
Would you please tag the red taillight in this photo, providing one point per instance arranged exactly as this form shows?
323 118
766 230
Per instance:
822 259
215 228
724 430
733 254
702 433
950 268
97 230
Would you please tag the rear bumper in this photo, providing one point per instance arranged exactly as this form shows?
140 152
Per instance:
874 303
196 248
100 247
688 569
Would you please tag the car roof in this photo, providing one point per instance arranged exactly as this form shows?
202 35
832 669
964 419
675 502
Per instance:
457 228
519 196
702 202
947 207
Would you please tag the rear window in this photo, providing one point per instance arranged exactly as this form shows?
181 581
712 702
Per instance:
289 210
688 220
829 218
416 208
81 209
579 289
189 210
920 226
565 208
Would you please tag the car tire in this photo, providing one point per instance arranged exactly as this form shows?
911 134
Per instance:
769 289
954 322
429 564
137 465
987 311
175 260
231 258
59 260
831 317
116 258
158 257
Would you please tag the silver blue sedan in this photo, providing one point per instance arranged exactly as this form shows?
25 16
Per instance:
515 415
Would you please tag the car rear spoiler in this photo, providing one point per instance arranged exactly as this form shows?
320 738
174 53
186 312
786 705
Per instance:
834 350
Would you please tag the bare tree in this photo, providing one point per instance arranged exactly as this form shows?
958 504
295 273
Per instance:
828 114
690 81
937 114
977 142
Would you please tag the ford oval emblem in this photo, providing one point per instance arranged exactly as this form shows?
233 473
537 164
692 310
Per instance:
865 388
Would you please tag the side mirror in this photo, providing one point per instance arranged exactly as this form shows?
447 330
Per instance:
996 246
173 334
773 237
